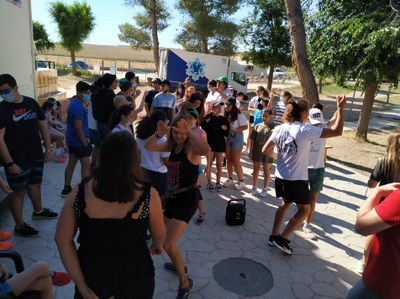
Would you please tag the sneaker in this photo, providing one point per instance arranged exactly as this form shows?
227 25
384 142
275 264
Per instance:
26 231
264 192
229 183
360 266
253 191
201 218
5 245
60 278
210 187
5 235
67 190
224 162
46 213
218 186
273 238
171 268
283 244
309 233
60 159
240 185
183 293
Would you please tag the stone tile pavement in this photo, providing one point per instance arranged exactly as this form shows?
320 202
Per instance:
317 269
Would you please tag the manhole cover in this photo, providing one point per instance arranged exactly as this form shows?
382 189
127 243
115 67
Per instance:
243 276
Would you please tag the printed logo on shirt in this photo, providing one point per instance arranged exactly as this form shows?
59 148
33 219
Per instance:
22 114
287 144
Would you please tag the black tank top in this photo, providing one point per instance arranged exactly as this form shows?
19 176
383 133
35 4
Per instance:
181 172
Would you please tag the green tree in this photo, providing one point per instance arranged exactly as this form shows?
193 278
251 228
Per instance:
357 39
208 26
75 22
266 35
41 38
145 35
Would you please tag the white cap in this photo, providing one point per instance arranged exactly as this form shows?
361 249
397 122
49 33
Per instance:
316 116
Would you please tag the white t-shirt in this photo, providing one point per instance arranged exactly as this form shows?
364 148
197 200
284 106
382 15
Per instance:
293 143
241 121
152 160
253 104
317 150
220 98
91 121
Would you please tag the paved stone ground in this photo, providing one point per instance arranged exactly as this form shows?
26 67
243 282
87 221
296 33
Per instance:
317 269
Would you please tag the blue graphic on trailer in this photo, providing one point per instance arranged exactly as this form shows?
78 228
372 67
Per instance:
195 69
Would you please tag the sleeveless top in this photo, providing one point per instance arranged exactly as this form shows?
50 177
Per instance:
113 253
181 172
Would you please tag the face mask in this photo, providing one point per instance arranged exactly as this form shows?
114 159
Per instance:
9 97
165 91
179 90
86 97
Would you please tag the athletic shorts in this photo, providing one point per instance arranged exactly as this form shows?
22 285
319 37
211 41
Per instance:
236 141
257 156
182 206
316 179
251 119
80 152
32 174
293 191
94 138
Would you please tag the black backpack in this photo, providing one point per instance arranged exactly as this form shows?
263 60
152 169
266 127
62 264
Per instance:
235 212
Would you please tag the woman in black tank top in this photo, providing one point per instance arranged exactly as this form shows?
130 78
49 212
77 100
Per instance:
186 150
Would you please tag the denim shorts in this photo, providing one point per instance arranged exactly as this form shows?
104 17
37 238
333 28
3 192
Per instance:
316 179
361 291
32 174
235 141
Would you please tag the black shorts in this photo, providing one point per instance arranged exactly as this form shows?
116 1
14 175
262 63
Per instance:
182 206
293 191
218 147
251 119
80 152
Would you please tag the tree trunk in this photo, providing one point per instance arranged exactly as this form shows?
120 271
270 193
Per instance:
366 109
204 45
270 77
154 32
73 59
299 51
320 85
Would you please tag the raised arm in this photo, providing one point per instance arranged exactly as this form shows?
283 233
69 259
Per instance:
336 128
153 144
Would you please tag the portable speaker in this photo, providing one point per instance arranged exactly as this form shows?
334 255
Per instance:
235 212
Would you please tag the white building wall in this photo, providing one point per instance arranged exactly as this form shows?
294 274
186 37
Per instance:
16 46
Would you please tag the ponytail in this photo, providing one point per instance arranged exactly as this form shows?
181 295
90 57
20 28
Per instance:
116 116
294 109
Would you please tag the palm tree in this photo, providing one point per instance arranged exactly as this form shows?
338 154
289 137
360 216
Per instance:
75 22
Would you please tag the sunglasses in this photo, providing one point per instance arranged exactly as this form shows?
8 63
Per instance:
5 91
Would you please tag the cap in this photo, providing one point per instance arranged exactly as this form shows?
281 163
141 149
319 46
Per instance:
166 82
223 79
216 103
231 101
125 85
123 80
156 80
316 116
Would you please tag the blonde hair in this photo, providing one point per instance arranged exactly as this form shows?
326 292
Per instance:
390 162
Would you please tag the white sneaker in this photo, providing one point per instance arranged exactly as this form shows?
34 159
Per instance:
229 183
253 191
264 192
240 185
360 266
309 233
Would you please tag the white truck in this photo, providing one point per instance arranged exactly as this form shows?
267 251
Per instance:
177 64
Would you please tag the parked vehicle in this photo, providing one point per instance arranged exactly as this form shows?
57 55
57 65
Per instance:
279 74
80 65
177 64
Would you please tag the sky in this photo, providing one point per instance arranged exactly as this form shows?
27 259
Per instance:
108 15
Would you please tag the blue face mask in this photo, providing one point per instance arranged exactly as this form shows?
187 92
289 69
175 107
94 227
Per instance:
7 95
87 97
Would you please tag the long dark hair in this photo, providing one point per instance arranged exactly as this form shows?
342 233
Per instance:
47 106
232 115
116 116
198 96
148 125
118 174
294 109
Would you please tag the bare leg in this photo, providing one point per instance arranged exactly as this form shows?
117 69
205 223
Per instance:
35 196
209 157
248 136
313 202
296 220
69 170
279 215
256 169
200 205
175 229
236 154
35 278
16 200
267 174
229 165
85 167
218 161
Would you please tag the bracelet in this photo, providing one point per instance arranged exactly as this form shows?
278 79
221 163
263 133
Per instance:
9 164
157 136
